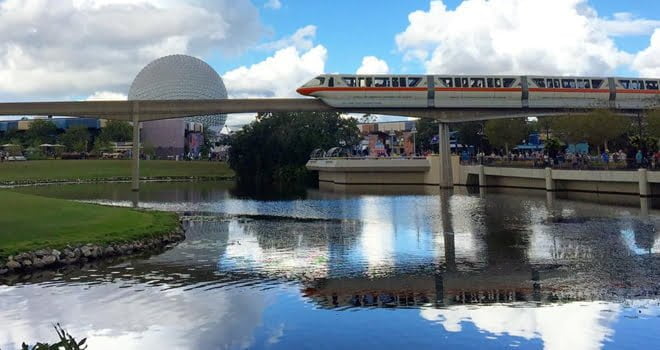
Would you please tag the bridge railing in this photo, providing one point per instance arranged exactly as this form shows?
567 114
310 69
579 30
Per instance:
367 158
586 163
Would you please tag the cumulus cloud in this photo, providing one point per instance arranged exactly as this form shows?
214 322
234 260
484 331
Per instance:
373 65
625 23
273 4
278 75
302 39
106 96
512 36
647 62
76 47
295 62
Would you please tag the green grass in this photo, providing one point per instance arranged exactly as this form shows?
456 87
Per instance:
29 222
44 170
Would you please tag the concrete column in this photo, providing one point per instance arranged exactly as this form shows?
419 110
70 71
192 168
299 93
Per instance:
135 161
644 188
549 182
482 176
446 177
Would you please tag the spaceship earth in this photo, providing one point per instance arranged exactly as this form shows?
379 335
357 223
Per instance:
180 77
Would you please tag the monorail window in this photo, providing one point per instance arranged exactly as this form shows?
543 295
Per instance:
596 83
402 82
395 82
583 84
349 81
413 81
651 85
636 85
539 82
477 82
464 82
498 82
568 83
331 82
457 82
489 82
625 83
508 82
321 80
382 82
448 82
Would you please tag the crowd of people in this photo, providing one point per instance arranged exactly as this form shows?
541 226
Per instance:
633 159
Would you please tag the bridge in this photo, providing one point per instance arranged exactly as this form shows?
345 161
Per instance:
137 111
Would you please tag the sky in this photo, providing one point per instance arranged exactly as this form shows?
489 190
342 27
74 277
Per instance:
92 49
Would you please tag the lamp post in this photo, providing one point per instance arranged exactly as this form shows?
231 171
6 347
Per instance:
413 131
392 134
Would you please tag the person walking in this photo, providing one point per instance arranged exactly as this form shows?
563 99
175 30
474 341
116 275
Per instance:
606 158
639 158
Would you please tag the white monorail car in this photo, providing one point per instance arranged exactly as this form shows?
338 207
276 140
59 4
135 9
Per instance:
485 91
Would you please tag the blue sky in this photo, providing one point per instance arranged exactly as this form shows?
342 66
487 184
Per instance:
352 29
92 49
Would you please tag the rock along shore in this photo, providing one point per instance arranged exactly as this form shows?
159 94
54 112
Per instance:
50 258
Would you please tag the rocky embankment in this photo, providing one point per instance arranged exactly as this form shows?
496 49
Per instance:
48 258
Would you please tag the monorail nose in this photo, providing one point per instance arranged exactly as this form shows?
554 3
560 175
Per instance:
303 91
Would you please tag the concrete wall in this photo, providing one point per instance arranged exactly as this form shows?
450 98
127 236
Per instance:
399 173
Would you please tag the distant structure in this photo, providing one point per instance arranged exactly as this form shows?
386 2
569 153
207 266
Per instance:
178 77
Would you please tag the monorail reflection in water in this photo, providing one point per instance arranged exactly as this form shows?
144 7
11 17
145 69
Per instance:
525 272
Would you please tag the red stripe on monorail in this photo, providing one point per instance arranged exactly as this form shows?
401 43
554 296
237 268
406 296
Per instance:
592 91
651 92
312 90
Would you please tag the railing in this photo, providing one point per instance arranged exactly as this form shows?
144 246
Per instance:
588 163
367 158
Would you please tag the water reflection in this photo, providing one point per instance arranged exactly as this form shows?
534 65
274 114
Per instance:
468 271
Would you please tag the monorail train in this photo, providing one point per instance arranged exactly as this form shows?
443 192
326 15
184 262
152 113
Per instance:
483 91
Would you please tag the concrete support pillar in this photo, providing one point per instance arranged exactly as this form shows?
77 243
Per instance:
482 176
644 188
446 177
135 161
549 182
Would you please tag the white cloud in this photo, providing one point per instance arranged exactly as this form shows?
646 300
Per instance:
302 39
512 36
647 62
373 65
625 23
273 4
106 96
278 75
55 49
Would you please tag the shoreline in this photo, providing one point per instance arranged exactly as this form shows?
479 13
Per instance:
118 179
48 258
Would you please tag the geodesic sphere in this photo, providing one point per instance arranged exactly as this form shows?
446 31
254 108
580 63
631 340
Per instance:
180 77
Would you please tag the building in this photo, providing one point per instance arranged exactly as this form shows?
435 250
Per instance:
178 77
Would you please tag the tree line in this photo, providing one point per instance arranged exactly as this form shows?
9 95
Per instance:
601 129
74 139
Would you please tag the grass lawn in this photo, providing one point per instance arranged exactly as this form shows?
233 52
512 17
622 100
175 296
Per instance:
29 222
42 170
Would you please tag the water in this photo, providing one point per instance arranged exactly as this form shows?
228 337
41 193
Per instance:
357 271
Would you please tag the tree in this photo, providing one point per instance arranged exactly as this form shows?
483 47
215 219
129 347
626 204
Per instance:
76 139
276 146
505 132
596 128
653 123
116 131
426 130
470 133
41 131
